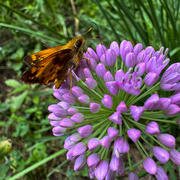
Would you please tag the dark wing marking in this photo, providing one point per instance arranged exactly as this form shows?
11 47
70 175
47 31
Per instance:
33 59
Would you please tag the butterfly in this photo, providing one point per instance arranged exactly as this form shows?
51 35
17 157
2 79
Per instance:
52 65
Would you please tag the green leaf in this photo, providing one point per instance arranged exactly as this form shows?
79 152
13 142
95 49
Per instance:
17 101
13 83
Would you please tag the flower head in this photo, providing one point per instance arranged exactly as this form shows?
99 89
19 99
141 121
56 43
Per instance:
115 99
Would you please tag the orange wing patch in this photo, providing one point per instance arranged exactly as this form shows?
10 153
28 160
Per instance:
51 69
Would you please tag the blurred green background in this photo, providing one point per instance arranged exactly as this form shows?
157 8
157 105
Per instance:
28 148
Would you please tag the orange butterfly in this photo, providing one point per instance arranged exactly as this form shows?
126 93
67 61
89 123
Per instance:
51 65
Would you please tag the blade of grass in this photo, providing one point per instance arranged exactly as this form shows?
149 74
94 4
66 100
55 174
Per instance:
107 19
38 35
34 166
28 17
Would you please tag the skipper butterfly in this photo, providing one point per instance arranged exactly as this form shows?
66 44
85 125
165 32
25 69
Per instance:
52 65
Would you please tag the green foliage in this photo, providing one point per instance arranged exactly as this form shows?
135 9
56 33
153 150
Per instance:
30 26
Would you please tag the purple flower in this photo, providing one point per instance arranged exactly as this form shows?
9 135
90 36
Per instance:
134 134
95 108
161 174
161 154
150 166
116 118
121 146
152 128
93 143
167 140
85 131
171 77
78 117
79 149
77 91
175 156
151 78
107 101
59 131
136 112
100 70
133 176
112 132
105 141
80 163
84 98
101 169
115 163
108 76
93 159
67 123
114 45
122 107
91 83
111 102
110 55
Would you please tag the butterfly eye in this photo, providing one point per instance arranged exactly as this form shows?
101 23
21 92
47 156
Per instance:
78 43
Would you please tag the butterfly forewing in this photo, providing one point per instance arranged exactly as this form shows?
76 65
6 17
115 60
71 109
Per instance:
49 69
33 59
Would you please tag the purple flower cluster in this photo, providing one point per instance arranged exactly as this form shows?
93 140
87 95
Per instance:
104 110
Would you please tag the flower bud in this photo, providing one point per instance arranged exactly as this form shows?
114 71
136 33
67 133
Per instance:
107 101
111 175
71 111
53 117
93 159
151 78
110 57
101 169
116 118
87 73
119 75
100 50
130 60
152 128
100 70
91 83
112 132
67 123
80 163
161 174
58 131
75 137
85 131
136 112
105 142
175 156
78 117
108 76
79 149
133 176
77 91
84 99
94 107
167 140
171 110
150 165
113 87
69 98
114 45
161 154
134 134
93 143
122 107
